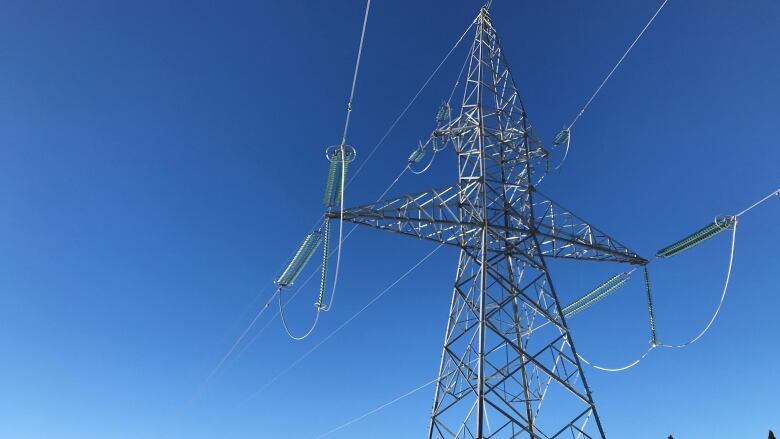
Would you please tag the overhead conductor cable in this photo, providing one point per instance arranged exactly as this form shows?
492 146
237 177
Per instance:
339 158
718 225
733 225
345 159
386 190
411 102
565 135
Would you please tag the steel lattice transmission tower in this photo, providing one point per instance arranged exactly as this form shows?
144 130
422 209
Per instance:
507 347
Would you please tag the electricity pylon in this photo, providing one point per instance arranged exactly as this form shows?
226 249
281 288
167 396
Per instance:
507 347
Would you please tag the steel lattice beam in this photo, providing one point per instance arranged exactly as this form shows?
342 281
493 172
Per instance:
509 368
434 216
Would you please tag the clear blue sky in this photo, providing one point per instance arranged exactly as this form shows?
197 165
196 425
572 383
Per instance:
160 160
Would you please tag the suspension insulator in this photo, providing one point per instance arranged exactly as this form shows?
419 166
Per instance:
337 170
330 185
299 260
339 185
598 293
324 275
443 115
651 312
720 224
562 137
417 155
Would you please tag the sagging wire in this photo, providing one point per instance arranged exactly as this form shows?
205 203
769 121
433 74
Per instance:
722 296
344 158
341 155
344 162
565 134
270 321
284 320
617 369
298 262
344 154
560 138
719 224
425 169
653 343
346 322
417 156
385 192
324 237
334 193
320 302
724 222
444 114
252 323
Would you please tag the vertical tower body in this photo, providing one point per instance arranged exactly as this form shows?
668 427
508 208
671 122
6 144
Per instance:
508 367
508 356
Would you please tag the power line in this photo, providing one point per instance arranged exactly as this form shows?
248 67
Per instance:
567 131
620 61
708 326
377 409
409 105
344 324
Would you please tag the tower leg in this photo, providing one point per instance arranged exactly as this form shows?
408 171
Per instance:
532 385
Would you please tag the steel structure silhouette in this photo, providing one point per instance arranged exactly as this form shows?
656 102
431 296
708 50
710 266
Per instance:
509 368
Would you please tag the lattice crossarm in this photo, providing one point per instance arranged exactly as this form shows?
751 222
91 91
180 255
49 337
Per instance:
565 235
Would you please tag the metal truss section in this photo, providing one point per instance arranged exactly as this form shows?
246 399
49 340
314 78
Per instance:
434 216
563 234
509 326
509 368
